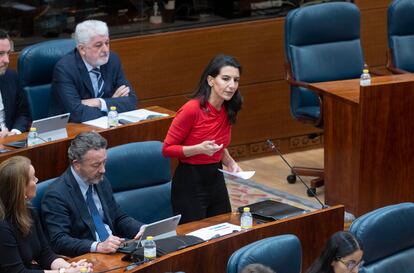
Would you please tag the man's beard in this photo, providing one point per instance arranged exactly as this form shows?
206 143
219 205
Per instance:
3 71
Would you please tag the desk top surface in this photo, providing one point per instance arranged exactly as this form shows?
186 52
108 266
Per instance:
212 255
349 90
50 158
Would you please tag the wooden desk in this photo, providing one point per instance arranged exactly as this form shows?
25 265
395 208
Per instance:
313 230
51 159
369 142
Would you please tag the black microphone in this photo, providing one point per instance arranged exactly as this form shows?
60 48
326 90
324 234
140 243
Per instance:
125 267
273 147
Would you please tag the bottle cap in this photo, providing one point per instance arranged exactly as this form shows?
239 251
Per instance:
112 108
365 70
246 209
149 238
33 129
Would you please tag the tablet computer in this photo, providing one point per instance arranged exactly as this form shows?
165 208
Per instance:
159 230
52 128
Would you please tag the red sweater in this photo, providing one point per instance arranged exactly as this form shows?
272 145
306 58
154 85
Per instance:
193 125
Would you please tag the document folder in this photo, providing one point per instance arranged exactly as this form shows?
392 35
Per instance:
270 210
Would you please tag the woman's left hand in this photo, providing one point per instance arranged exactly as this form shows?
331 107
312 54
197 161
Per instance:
234 167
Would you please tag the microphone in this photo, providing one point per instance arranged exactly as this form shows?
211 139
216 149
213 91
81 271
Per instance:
125 267
273 147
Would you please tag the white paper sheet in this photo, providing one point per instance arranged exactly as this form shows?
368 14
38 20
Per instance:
133 116
243 175
215 231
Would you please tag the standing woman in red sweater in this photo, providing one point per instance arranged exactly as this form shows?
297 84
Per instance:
199 136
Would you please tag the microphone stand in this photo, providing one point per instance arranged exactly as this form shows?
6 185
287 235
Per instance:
273 147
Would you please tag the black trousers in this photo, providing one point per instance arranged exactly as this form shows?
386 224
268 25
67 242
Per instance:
199 191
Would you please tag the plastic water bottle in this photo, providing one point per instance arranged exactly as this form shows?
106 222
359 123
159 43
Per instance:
365 77
32 138
150 249
112 117
246 219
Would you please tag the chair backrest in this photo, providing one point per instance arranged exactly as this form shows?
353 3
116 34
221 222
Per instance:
141 180
387 236
40 190
35 66
401 34
322 43
281 253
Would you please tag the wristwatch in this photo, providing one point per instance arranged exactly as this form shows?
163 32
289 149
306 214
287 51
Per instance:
62 270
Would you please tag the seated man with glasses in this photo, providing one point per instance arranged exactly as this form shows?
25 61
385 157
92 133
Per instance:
342 254
89 80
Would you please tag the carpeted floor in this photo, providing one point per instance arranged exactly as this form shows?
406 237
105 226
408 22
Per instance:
244 192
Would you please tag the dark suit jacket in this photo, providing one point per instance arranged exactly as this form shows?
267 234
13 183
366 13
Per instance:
67 220
15 104
72 83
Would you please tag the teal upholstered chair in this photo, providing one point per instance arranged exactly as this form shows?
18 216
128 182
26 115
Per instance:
281 253
387 239
35 67
322 43
40 190
141 180
401 36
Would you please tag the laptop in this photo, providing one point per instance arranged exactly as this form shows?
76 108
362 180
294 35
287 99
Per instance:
52 128
159 230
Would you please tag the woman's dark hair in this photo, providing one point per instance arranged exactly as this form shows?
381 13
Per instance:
341 244
203 89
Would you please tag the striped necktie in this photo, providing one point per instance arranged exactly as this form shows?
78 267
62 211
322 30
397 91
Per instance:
96 217
98 93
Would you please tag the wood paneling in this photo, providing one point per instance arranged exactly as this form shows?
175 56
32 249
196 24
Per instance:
372 4
368 142
374 36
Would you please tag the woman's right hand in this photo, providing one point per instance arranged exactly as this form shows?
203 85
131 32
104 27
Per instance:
209 147
76 267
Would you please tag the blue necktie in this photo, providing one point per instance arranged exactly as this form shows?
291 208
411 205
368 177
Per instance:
96 71
97 220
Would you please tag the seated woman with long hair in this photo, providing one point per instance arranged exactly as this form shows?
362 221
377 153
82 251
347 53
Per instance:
23 246
342 254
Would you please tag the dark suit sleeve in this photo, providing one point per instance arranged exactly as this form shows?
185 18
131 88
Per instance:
56 215
65 87
122 224
122 104
23 119
15 103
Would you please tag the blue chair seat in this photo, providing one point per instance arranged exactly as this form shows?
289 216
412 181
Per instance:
141 180
387 239
310 112
401 36
35 66
281 253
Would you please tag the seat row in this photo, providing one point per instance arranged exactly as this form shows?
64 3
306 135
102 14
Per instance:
386 235
140 177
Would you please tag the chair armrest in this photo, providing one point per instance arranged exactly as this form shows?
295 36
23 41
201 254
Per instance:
391 67
291 80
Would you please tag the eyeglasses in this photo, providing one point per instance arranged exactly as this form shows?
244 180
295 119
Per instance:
350 265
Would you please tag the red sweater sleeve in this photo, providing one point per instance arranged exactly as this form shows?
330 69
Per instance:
180 128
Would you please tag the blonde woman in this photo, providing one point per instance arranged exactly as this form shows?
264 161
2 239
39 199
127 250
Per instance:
23 246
